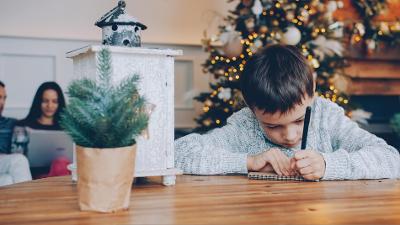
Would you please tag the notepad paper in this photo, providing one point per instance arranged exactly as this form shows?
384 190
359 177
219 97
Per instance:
273 176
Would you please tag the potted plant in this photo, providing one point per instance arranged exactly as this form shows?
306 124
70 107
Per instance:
104 119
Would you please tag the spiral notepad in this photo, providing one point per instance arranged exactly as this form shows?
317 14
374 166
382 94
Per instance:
273 176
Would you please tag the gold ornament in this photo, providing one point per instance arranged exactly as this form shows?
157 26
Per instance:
290 15
341 82
263 29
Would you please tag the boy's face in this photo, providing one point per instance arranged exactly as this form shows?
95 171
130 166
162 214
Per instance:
284 129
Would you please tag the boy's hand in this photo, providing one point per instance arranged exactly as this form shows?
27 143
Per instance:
309 163
268 161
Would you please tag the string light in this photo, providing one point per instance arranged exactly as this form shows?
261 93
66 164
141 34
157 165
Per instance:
357 38
217 121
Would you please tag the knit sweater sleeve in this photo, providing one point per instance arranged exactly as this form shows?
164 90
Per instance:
221 151
357 154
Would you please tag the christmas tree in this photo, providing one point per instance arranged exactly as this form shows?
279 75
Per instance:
307 24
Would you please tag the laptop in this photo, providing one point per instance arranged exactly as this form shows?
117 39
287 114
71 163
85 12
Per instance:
45 146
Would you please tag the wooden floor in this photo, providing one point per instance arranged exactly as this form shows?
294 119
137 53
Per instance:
211 200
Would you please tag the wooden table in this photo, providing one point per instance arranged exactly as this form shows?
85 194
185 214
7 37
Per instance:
211 200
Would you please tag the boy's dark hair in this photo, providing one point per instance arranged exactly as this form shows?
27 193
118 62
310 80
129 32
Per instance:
276 79
2 84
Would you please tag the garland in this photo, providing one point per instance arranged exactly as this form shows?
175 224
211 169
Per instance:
373 32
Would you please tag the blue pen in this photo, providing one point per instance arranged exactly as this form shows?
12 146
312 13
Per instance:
305 128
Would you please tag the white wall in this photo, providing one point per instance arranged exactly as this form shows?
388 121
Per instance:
168 21
36 34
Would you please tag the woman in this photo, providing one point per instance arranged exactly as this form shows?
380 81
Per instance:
44 114
46 108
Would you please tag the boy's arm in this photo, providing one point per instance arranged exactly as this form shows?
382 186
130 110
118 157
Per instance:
216 152
357 154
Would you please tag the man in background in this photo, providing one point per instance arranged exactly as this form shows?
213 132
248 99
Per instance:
14 168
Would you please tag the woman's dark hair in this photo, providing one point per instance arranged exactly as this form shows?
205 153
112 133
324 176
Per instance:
35 112
276 79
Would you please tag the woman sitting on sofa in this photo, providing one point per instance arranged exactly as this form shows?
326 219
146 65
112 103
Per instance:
44 114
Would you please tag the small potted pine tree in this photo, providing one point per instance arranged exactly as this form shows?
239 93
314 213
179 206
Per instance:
104 119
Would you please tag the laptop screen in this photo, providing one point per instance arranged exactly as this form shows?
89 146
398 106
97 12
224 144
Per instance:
42 146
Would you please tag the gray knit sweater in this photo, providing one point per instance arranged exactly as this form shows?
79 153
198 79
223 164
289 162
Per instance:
349 151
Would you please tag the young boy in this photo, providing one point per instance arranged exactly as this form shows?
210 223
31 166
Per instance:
277 85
